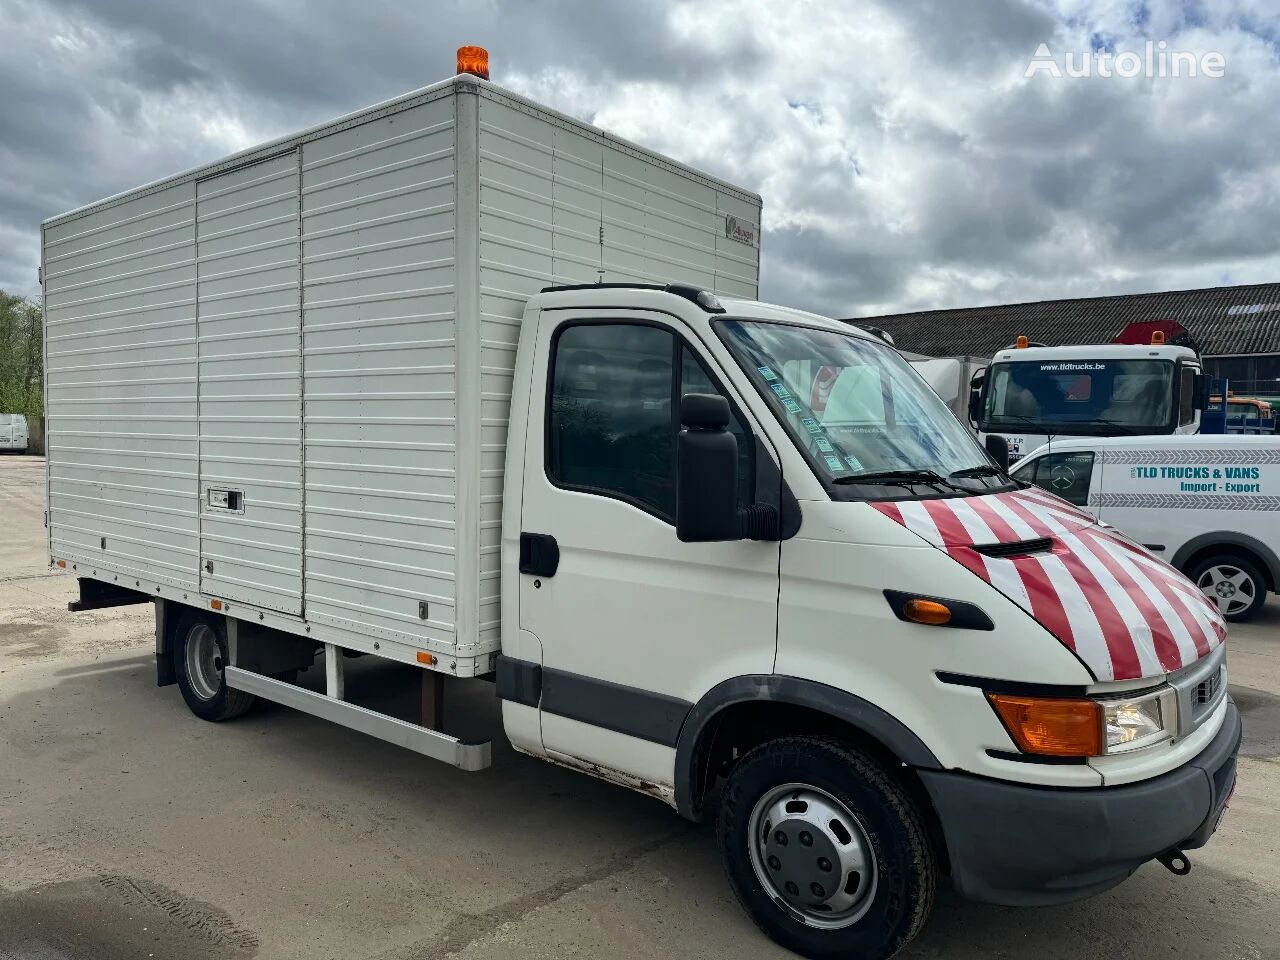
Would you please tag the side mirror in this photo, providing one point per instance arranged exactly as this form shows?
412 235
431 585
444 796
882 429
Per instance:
998 449
1202 392
976 383
706 471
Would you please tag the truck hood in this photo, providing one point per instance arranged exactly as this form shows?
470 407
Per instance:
1123 612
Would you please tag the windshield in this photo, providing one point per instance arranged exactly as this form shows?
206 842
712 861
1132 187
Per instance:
1096 396
857 409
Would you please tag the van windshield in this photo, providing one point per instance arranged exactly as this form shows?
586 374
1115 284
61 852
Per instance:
870 425
1088 397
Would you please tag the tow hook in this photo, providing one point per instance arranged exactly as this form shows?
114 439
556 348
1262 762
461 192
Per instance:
1175 862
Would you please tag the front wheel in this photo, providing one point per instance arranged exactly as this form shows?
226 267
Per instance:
199 661
1233 584
825 850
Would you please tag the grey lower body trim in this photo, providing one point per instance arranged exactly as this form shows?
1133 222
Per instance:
655 717
429 743
638 713
1021 845
519 681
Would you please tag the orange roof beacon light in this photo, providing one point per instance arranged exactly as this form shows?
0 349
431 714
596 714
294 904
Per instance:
475 61
1157 338
1022 343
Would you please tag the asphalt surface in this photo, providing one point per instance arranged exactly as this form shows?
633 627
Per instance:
128 828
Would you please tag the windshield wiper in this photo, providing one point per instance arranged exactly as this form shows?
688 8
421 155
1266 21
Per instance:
1130 429
986 470
902 478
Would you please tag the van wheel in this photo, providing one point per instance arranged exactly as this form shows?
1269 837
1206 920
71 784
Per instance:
825 850
1233 584
199 655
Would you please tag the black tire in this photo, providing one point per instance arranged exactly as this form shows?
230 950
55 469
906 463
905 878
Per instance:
896 908
207 699
1253 586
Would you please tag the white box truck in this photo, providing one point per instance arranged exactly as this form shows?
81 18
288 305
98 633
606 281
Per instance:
1209 505
462 383
13 433
1031 394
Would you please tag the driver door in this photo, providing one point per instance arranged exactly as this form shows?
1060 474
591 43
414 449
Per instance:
634 625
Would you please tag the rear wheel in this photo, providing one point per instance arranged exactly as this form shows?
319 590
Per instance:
825 850
1233 584
199 660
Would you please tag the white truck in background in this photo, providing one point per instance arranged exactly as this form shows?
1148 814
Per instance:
1031 395
461 383
1209 505
13 433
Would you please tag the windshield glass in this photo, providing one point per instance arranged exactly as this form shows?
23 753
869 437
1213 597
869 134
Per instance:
1096 395
857 408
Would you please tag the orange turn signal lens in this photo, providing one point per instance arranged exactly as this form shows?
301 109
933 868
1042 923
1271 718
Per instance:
927 611
1051 727
427 658
62 564
215 604
475 61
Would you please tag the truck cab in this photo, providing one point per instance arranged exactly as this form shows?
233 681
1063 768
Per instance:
755 562
1032 395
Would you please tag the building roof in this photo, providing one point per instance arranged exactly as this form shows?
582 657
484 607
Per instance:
1221 321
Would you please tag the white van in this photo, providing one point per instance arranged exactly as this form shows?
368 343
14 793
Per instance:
1209 505
463 384
13 433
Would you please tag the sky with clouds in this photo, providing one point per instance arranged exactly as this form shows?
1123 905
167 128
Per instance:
905 158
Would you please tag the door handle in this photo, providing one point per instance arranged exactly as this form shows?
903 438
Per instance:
539 554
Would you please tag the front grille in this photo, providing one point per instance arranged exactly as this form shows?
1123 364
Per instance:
1019 548
1200 688
1207 691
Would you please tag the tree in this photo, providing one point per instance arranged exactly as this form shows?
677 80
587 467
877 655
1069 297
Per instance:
21 356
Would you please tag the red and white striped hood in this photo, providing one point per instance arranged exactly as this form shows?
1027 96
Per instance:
1124 613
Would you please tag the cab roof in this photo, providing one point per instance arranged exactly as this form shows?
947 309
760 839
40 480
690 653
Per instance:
1212 441
1097 351
684 301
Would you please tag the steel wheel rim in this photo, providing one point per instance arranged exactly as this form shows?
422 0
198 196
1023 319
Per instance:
812 856
1228 588
204 661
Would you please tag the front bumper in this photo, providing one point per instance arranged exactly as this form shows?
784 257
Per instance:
1022 845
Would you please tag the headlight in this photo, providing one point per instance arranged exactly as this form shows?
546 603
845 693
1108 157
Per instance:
1135 723
1086 727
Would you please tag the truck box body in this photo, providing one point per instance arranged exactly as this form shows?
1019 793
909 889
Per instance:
281 381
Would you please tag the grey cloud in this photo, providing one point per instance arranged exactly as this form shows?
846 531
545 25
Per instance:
912 169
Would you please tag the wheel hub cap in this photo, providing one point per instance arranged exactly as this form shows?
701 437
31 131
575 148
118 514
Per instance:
204 662
810 852
1229 588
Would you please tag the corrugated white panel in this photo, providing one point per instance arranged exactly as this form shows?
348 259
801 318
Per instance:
250 398
121 385
380 356
561 203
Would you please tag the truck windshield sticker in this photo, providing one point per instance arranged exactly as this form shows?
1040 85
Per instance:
791 405
823 444
767 373
853 462
835 464
812 425
781 391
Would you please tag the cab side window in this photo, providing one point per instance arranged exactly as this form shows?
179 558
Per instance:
613 414
1066 474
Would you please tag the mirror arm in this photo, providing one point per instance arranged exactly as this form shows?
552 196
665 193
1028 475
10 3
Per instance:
760 521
